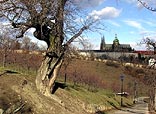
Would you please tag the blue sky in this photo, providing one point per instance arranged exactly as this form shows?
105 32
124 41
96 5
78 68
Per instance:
126 18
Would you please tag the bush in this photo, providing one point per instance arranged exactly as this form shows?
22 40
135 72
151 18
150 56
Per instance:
104 56
112 64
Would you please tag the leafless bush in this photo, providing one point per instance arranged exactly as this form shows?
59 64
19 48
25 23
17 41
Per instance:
84 78
112 64
23 61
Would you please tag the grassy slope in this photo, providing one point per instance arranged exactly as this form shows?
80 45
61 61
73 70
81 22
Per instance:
109 74
102 97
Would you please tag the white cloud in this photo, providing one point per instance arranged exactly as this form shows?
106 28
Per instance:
114 23
130 1
30 32
88 3
132 32
134 2
147 32
79 20
105 13
134 24
149 22
137 46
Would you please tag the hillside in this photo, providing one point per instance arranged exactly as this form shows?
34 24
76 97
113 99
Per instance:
90 87
106 74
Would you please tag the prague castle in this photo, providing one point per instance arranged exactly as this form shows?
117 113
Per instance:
114 50
115 46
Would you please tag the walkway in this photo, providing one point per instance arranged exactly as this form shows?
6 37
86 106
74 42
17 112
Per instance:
140 108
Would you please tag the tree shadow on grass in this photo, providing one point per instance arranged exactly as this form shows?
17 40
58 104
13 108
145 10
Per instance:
8 72
11 72
100 112
112 104
57 86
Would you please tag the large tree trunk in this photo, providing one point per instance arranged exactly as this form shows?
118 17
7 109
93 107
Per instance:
47 74
50 66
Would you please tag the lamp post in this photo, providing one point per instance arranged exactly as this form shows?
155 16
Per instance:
122 79
135 92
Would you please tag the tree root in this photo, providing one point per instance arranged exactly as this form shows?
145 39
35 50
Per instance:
14 108
54 97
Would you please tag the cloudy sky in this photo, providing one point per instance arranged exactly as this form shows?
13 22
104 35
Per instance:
126 18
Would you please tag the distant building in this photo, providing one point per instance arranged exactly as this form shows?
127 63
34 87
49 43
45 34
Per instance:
116 51
115 46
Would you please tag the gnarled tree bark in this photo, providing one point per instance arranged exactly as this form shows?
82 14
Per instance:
25 14
47 74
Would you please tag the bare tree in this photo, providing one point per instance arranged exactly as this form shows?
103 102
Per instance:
7 44
27 44
148 77
150 80
51 19
150 43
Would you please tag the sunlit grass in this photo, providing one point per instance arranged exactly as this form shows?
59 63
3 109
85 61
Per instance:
101 96
19 69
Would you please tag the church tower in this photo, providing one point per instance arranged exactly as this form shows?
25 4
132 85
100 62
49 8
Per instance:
116 44
102 45
116 41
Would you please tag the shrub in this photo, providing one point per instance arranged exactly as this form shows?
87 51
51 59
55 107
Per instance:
112 64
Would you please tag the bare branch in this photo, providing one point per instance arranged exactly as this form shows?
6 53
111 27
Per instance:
146 6
3 1
151 44
76 35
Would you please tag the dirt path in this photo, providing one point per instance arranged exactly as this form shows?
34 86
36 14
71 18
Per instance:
140 108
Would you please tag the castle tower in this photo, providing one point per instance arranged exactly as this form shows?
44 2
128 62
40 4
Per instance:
102 45
116 41
115 46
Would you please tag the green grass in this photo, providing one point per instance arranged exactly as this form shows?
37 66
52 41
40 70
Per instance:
102 97
109 74
2 69
18 69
